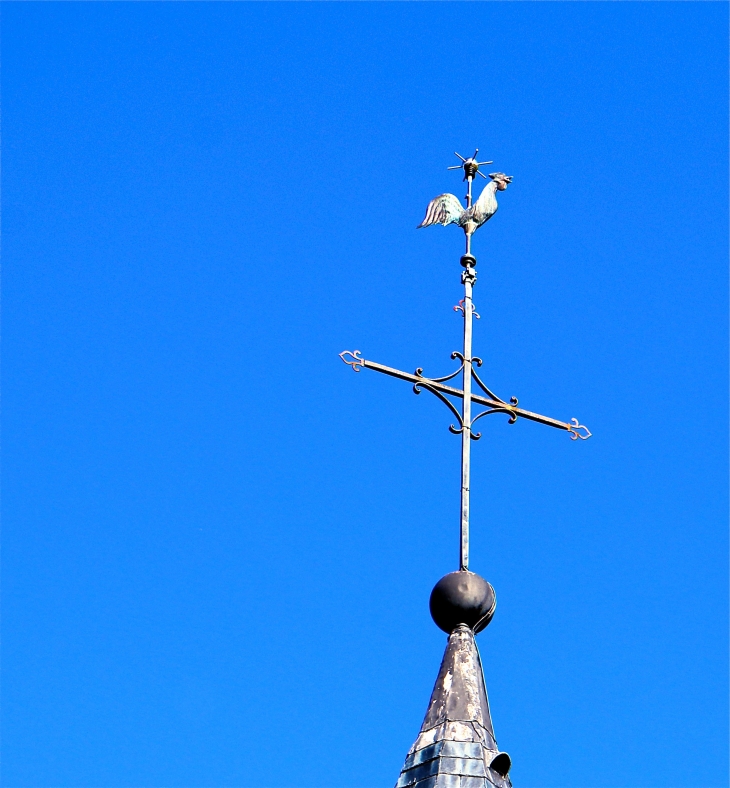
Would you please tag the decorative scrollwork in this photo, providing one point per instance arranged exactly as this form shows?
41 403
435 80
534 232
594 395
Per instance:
455 354
460 308
487 391
357 362
573 430
417 390
512 419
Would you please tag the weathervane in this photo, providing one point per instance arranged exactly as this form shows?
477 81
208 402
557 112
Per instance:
447 209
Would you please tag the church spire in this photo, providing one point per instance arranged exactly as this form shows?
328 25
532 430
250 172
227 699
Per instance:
456 747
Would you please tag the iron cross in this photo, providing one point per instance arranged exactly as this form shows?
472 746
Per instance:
447 209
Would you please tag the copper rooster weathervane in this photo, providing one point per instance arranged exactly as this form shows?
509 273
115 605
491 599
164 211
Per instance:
447 209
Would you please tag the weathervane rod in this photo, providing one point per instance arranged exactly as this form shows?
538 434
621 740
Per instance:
468 277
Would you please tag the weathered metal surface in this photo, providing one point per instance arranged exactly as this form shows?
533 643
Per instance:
459 692
456 747
447 209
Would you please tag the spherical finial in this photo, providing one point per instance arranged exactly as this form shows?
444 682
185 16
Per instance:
462 598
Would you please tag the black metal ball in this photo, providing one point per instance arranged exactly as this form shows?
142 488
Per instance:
462 598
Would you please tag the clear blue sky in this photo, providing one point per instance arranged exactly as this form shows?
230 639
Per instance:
218 543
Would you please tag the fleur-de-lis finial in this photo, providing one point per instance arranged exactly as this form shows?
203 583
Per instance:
575 434
356 360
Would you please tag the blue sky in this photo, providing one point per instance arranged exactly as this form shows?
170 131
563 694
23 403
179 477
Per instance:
218 543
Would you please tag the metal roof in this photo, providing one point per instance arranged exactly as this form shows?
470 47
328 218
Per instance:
456 747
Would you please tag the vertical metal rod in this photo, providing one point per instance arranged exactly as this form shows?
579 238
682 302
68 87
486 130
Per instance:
466 432
468 205
468 279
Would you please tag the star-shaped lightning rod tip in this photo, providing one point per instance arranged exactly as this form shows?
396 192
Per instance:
470 166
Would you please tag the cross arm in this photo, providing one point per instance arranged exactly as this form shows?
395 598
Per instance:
357 362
